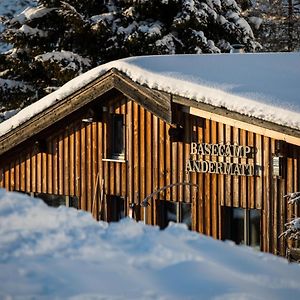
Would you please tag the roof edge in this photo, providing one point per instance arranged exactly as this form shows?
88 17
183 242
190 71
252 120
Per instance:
160 105
223 115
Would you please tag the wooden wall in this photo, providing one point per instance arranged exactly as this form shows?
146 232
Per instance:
77 155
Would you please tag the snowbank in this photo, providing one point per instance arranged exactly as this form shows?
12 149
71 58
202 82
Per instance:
63 253
264 86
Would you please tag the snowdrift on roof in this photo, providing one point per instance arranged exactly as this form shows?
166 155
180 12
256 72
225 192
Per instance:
264 86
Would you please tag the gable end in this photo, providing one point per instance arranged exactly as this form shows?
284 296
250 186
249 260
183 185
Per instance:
156 102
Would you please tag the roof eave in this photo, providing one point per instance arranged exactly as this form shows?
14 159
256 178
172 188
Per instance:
158 103
235 119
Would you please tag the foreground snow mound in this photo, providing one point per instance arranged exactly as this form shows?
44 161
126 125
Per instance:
48 253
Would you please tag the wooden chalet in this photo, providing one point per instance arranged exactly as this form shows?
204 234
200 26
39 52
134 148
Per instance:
118 148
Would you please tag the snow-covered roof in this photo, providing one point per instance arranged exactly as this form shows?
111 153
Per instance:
262 85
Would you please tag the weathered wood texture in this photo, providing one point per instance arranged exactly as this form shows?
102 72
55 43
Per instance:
112 81
76 160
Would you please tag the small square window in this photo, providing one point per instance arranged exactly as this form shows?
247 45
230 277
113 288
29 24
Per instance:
242 226
56 200
177 212
115 208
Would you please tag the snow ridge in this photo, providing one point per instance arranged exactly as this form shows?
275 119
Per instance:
50 253
263 86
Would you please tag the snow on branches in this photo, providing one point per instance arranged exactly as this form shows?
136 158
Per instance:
292 231
293 197
58 40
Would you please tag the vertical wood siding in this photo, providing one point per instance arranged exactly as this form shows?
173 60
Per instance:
73 165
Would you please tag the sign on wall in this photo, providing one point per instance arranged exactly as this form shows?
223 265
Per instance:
221 167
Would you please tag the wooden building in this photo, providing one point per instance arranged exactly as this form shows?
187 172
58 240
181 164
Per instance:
118 148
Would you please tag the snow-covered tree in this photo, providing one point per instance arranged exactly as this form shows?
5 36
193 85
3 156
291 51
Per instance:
48 50
9 8
57 40
278 22
293 227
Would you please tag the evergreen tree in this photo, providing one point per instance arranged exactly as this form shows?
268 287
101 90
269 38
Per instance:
57 40
293 227
278 22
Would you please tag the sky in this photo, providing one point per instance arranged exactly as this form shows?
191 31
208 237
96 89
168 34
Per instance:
50 253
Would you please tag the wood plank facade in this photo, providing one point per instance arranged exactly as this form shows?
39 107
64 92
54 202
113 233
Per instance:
72 155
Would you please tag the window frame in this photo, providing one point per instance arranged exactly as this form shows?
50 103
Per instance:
55 200
111 154
115 152
228 225
178 207
115 206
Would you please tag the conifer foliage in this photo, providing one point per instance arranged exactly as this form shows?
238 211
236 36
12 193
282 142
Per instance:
276 23
55 40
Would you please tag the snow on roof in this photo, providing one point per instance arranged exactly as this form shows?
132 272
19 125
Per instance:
63 253
261 85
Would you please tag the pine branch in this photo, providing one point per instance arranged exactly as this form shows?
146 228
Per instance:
293 197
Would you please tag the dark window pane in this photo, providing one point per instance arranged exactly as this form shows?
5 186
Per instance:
74 202
118 135
254 229
57 200
171 211
115 208
237 226
186 214
177 212
242 226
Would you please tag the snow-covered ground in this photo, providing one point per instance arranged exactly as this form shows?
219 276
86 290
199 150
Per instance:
264 86
48 253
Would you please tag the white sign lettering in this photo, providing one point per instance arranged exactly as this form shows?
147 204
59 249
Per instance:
221 150
216 167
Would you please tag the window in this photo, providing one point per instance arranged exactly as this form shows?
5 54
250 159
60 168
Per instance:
242 226
57 200
118 137
177 212
115 208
